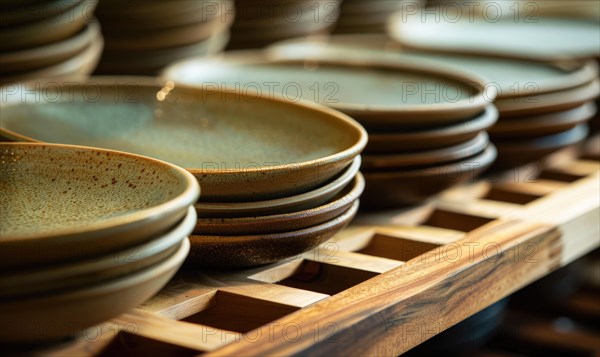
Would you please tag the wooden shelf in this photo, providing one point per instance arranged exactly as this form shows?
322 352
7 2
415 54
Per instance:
382 286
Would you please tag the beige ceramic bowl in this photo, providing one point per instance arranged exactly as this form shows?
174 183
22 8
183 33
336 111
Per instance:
381 95
300 202
240 146
408 187
59 315
242 251
428 157
94 270
284 222
64 202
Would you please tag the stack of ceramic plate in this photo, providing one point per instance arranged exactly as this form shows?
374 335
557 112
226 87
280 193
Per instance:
278 178
48 39
144 36
261 22
86 235
370 16
542 106
425 124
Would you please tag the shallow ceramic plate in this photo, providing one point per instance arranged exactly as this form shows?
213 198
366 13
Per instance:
514 153
534 37
549 102
83 273
545 124
49 30
300 202
56 316
283 222
378 94
511 77
82 64
243 251
43 56
64 202
240 146
434 138
424 158
410 187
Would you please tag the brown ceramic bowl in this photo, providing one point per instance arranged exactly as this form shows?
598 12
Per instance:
244 251
44 318
434 138
284 222
300 202
63 202
94 270
240 146
545 124
402 188
39 57
514 153
45 31
381 95
424 158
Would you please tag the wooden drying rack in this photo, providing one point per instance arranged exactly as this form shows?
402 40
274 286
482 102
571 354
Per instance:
382 286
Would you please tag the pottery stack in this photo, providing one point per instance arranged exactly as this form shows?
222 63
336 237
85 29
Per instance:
87 234
259 23
268 193
48 39
426 125
144 36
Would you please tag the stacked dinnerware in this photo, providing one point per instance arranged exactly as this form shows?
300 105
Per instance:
86 235
278 177
371 16
426 124
144 36
259 23
48 39
543 106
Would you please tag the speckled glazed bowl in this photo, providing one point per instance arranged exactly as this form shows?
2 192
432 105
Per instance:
45 318
249 250
239 145
286 221
87 272
62 202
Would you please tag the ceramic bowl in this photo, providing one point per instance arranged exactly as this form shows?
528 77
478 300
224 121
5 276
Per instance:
549 102
424 158
547 38
284 222
402 188
64 202
381 95
300 202
511 77
82 273
82 64
51 317
240 146
545 124
56 28
434 138
47 55
514 153
243 251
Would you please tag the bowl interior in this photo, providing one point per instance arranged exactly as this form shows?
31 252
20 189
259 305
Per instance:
190 127
48 189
